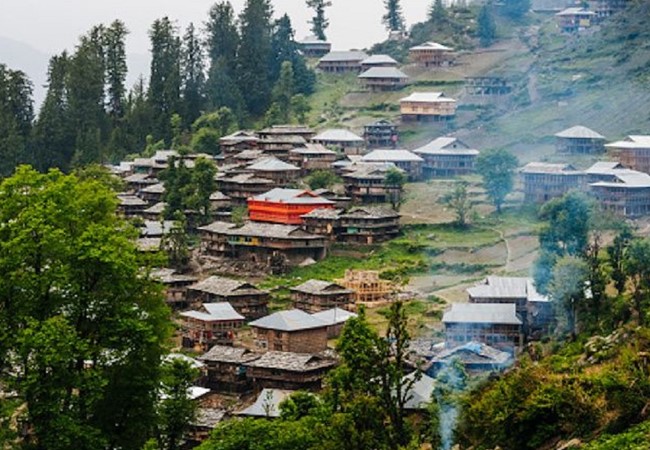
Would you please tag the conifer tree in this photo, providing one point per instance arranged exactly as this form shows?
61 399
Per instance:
319 22
486 27
116 68
437 12
283 91
285 48
393 19
193 77
16 115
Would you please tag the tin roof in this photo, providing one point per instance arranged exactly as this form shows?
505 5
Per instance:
484 313
337 135
378 59
431 46
214 312
579 132
226 287
271 164
428 97
384 72
291 320
344 56
334 316
391 155
267 404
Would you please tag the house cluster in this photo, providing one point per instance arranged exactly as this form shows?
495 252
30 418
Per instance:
621 186
583 15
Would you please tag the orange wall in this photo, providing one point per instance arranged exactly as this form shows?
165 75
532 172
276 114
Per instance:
285 213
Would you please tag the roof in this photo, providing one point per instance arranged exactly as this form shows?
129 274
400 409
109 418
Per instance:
334 316
217 196
130 200
148 244
250 154
486 313
384 72
196 364
287 129
321 287
446 145
260 229
214 312
506 287
141 178
293 362
208 417
474 353
246 178
540 167
632 142
226 354
312 149
158 208
427 97
323 213
337 135
267 403
291 320
392 155
431 46
155 228
239 136
292 196
605 168
627 179
225 287
313 40
579 132
574 11
371 170
167 276
158 188
339 56
370 212
378 59
420 393
271 164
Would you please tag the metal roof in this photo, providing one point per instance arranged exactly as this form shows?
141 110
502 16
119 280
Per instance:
419 396
431 46
378 59
632 142
271 164
579 132
486 313
225 287
441 146
384 72
267 403
158 188
540 167
605 168
575 12
630 179
427 97
214 312
291 320
340 56
506 287
334 316
337 135
227 354
321 287
391 155
474 353
292 196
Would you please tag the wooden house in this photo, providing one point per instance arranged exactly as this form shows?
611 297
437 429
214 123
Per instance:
476 358
312 157
237 142
280 146
219 201
289 370
272 245
226 368
341 62
367 286
285 206
573 19
154 212
545 181
579 140
446 157
267 404
368 225
131 205
312 47
627 194
428 106
314 296
323 221
494 324
487 86
341 140
212 324
404 159
367 184
432 54
335 318
271 168
605 8
239 188
340 200
138 181
290 331
200 428
152 194
420 393
247 299
244 157
632 152
378 61
383 79
381 134
175 286
276 131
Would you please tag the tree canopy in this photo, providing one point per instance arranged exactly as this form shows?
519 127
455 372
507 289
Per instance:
497 168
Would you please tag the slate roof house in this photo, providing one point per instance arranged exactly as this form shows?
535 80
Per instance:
312 157
378 61
446 157
476 357
312 47
633 152
226 370
290 331
212 324
572 20
314 296
494 324
404 159
383 79
381 133
368 225
242 186
367 183
432 54
342 61
340 139
627 194
244 297
175 285
271 168
289 370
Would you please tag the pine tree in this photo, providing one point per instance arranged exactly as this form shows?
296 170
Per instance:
254 56
394 20
165 81
285 48
16 116
486 26
193 77
116 68
437 12
283 92
319 22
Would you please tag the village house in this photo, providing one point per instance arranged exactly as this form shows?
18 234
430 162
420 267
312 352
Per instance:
244 157
277 131
175 286
368 287
487 86
494 324
535 310
579 140
155 228
130 205
212 324
226 370
312 47
367 183
335 318
447 157
381 134
237 142
383 79
404 159
323 221
342 140
340 200
201 427
545 181
428 106
154 212
247 299
626 195
290 331
368 225
270 168
273 245
341 62
314 296
378 61
312 157
574 19
285 206
432 54
219 201
239 188
632 152
279 146
420 394
289 370
152 194
476 358
605 8
138 181
267 404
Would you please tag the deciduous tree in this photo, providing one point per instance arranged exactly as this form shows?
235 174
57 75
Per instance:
497 168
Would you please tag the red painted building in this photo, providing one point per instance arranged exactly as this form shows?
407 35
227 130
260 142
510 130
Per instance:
285 206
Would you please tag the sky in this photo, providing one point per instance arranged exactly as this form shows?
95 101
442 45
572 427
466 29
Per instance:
53 25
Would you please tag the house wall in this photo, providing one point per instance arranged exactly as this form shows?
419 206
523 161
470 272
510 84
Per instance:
302 341
496 335
313 303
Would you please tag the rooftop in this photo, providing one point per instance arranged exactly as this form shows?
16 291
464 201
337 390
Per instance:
158 188
579 132
323 213
222 353
419 396
378 59
605 168
340 56
575 11
392 155
337 135
321 287
384 72
334 316
431 46
506 287
370 212
168 276
214 312
445 145
627 179
260 229
293 362
225 287
474 353
482 313
267 404
312 149
541 167
632 142
158 208
272 164
130 200
427 97
292 196
291 320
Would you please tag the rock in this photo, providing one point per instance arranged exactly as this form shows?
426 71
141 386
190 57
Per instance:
572 444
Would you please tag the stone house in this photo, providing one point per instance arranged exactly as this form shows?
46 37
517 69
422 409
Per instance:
290 331
244 297
314 296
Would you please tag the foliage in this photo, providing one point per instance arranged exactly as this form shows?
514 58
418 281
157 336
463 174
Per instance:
637 268
567 289
459 201
497 168
487 30
206 140
515 9
322 179
395 179
319 23
176 244
394 18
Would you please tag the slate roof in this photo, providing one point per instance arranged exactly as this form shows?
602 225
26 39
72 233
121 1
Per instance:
148 244
291 320
384 72
370 212
323 213
226 354
130 200
378 59
427 97
158 188
141 178
208 417
341 56
168 276
474 353
506 287
605 168
632 142
246 178
267 404
419 396
313 149
218 196
250 154
272 164
260 229
158 208
313 40
320 287
334 316
391 155
541 167
579 132
431 46
444 146
155 228
485 313
225 287
292 196
292 362
214 312
630 179
337 135
287 129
